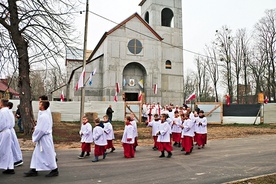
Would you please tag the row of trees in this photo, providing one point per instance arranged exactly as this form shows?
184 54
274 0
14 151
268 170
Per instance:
242 64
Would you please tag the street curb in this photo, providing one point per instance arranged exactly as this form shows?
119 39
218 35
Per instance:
245 179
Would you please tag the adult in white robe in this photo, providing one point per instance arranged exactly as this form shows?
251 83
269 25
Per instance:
44 157
16 150
6 158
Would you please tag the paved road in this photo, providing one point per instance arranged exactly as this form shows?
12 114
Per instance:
221 161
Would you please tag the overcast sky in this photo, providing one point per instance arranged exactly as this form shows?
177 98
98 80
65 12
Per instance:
200 19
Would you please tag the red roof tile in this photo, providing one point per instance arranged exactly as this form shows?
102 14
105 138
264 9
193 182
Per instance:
4 87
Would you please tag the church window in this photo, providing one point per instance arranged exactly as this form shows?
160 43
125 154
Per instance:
167 17
168 64
135 46
147 17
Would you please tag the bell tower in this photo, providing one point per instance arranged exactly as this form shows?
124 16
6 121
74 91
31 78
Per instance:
165 17
164 13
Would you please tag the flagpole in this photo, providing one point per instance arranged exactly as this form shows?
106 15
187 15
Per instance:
84 59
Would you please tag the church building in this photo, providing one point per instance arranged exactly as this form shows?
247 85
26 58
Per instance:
142 54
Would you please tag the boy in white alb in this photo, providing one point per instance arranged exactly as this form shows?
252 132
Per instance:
86 137
99 138
134 124
176 129
108 130
128 138
155 125
187 133
164 140
201 124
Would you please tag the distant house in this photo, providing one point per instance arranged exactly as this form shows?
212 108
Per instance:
6 91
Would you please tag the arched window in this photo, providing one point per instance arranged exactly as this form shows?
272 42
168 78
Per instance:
167 17
147 17
168 64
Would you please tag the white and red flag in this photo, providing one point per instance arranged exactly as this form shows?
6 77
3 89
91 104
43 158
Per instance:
80 82
117 87
140 97
62 96
191 97
115 97
266 100
155 89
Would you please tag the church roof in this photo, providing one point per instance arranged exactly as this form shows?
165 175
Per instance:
120 25
142 2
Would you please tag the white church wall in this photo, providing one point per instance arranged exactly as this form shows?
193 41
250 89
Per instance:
70 111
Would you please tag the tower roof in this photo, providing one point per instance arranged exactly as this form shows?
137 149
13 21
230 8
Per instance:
142 2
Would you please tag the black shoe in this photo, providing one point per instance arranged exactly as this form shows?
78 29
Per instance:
162 154
179 145
104 155
187 153
31 173
182 149
169 155
9 171
52 173
87 155
19 163
112 150
191 149
174 144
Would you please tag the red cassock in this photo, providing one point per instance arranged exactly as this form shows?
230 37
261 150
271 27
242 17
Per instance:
99 150
155 141
86 147
202 139
176 137
128 150
187 143
109 144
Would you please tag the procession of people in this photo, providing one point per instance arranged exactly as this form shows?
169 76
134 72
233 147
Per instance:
172 126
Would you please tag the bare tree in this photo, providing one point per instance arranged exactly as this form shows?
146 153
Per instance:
224 41
37 84
257 67
33 32
240 61
266 40
213 68
202 79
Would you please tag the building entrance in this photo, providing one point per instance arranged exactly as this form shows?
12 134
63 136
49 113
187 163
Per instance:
131 96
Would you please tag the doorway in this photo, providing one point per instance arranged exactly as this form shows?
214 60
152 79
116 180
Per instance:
131 96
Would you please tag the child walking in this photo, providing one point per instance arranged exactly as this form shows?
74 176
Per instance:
128 138
86 137
108 130
155 125
164 140
100 141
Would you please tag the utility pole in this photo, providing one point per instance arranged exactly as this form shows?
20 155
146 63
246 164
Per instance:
84 59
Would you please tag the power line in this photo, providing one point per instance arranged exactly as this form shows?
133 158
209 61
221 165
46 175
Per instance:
186 50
